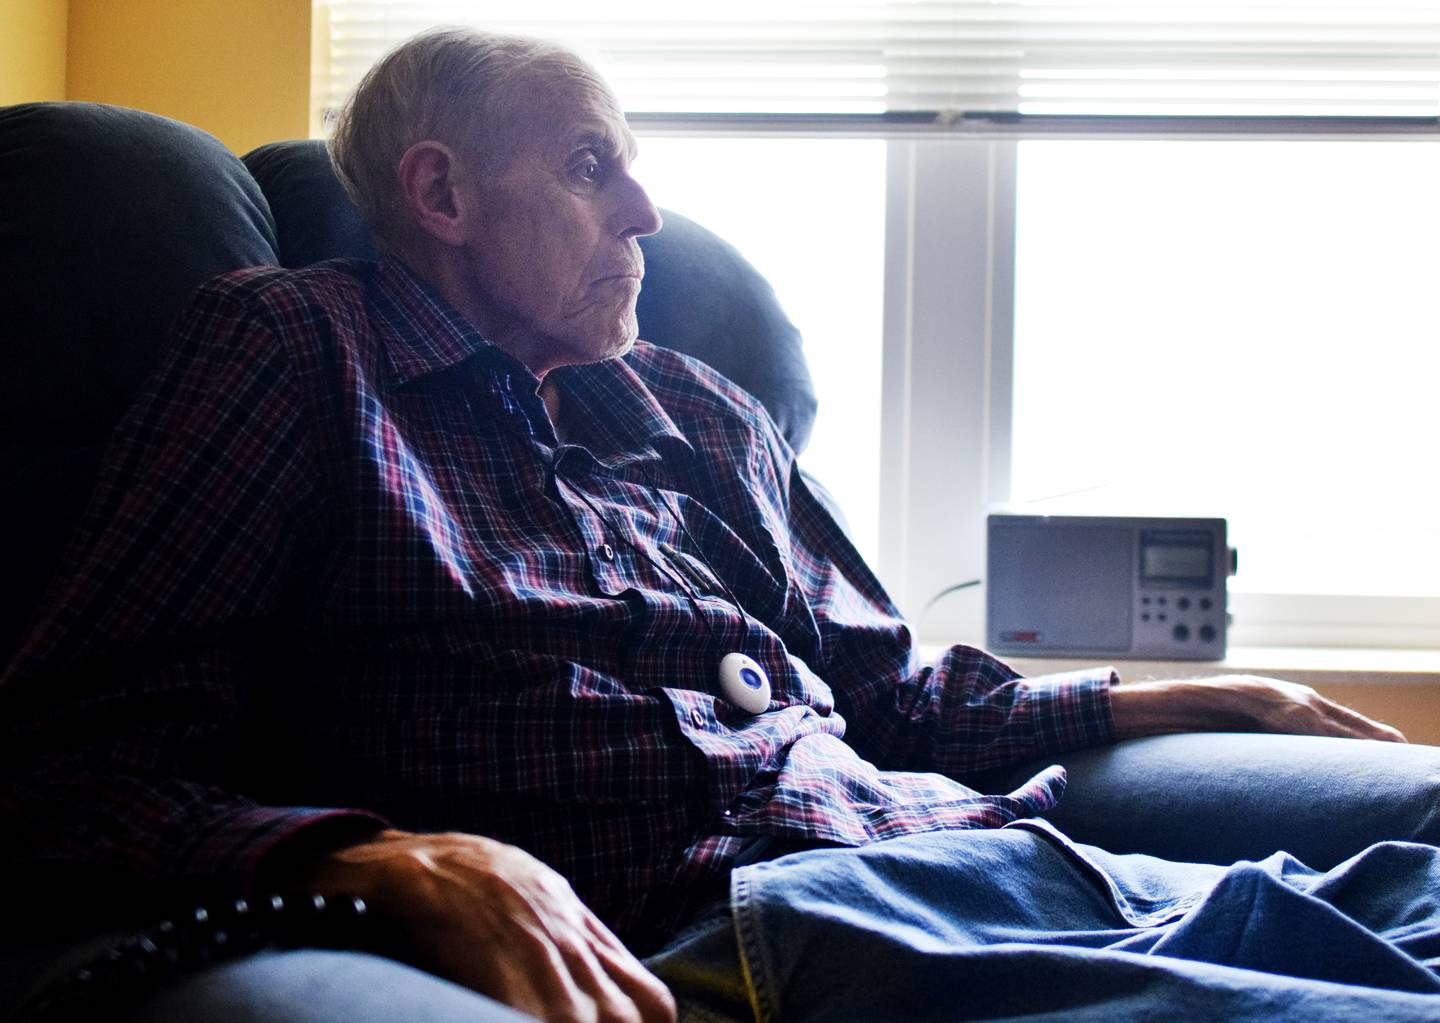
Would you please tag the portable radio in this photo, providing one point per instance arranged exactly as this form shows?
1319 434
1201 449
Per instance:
1074 585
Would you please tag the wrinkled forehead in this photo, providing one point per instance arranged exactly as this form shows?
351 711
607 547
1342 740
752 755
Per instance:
553 113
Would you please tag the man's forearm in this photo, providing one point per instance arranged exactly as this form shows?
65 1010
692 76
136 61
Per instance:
1236 703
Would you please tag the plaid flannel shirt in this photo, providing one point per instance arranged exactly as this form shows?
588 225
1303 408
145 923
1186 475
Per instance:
339 570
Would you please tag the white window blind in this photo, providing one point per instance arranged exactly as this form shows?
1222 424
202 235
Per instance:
939 60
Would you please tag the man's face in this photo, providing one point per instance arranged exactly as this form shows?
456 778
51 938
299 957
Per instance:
553 262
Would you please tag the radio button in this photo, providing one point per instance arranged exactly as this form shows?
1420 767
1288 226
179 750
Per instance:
1181 633
1207 633
1183 603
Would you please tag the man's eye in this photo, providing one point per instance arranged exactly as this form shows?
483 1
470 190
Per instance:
590 170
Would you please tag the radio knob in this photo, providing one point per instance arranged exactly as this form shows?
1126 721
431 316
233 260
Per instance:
1181 633
1207 633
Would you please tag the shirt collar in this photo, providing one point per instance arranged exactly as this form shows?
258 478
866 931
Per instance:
423 333
620 413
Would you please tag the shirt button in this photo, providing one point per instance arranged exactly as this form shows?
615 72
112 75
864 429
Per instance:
605 552
728 813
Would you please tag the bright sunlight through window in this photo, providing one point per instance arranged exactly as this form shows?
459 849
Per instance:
1246 329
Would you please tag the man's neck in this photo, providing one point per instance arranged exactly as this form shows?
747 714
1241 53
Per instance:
550 395
445 274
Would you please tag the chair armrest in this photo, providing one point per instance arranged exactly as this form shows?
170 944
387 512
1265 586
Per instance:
1214 797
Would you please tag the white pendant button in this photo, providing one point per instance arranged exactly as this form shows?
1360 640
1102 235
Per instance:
744 683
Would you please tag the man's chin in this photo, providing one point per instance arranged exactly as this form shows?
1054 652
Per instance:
611 344
619 349
588 353
625 344
583 340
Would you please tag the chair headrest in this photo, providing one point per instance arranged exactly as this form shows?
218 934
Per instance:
109 218
703 298
314 218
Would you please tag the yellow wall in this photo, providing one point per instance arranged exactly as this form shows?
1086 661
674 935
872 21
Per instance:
32 50
240 69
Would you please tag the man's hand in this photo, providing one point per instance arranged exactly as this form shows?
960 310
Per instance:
1237 703
494 918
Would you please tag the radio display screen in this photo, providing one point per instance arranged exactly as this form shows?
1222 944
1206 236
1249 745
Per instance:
1176 562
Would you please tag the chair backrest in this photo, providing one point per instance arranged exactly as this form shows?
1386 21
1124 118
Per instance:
109 218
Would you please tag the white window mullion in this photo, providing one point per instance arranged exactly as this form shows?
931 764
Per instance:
897 475
959 220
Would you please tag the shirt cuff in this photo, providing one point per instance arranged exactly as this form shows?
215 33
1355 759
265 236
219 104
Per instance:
253 848
1071 709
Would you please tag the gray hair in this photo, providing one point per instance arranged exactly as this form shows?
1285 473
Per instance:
454 85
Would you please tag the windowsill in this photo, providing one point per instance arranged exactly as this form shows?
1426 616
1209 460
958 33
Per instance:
1312 666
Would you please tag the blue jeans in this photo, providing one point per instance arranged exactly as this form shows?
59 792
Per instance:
1022 924
1185 797
1014 924
305 985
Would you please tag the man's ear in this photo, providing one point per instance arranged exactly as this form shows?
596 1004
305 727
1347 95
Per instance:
429 183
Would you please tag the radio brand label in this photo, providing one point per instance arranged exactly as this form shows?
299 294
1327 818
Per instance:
1024 636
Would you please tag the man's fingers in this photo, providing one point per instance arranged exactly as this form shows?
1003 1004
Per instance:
1301 709
1360 726
1283 706
1391 734
561 971
643 988
530 974
613 1005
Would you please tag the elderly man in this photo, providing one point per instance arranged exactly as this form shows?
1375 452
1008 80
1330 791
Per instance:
425 581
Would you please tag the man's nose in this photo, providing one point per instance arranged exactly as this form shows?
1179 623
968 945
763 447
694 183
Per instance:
638 215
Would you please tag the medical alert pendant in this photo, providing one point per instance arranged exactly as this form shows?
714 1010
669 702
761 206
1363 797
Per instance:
744 683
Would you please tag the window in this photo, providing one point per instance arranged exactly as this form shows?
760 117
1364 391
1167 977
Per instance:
1245 329
1050 177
